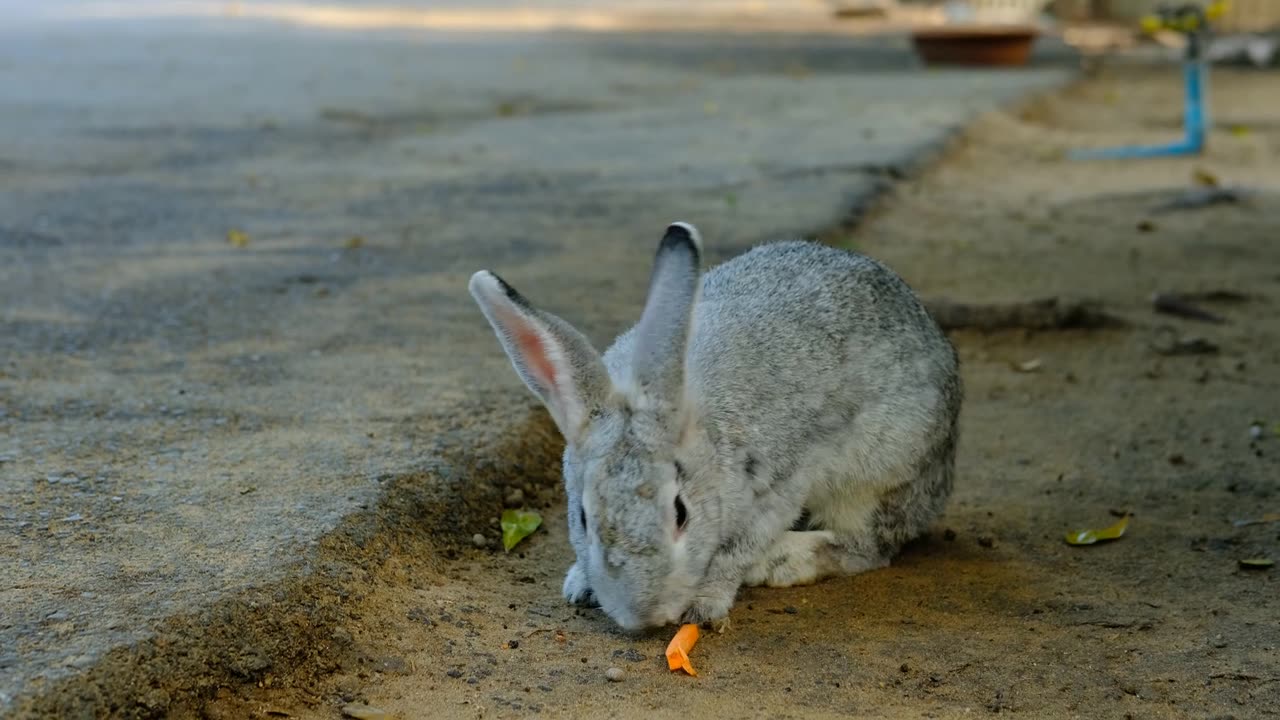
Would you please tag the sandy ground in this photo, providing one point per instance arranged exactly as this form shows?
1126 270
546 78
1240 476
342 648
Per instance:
993 613
197 436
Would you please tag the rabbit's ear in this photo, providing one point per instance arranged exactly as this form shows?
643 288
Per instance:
556 361
662 334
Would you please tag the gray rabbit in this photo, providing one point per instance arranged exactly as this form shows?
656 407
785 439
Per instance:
789 416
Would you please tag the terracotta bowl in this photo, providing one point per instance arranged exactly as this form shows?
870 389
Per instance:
975 45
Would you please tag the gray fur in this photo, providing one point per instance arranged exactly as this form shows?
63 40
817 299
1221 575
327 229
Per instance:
815 392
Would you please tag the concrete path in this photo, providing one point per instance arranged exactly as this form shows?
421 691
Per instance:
182 418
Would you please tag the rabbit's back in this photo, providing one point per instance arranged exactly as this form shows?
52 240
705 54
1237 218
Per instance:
796 340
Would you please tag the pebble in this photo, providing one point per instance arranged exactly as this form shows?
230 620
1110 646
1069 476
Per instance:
615 674
987 541
479 540
364 712
516 498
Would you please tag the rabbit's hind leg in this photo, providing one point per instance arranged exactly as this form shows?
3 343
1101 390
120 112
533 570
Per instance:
905 512
795 558
871 523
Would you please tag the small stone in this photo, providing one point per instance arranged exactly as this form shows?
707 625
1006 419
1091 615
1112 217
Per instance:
454 673
615 674
904 667
516 498
949 535
513 644
364 712
479 541
790 610
986 541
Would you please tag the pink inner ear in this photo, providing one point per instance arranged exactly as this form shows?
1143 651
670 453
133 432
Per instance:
535 356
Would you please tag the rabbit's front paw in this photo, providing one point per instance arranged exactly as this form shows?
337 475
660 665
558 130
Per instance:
711 610
576 590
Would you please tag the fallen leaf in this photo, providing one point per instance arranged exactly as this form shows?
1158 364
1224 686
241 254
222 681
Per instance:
353 242
518 525
1268 518
1029 366
1240 130
1257 563
238 238
1204 177
1089 537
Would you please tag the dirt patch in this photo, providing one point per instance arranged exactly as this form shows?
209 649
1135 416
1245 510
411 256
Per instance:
245 641
1063 430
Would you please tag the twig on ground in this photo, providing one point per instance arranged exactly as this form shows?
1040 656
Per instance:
1049 313
1212 296
1244 677
1118 624
1175 304
1197 198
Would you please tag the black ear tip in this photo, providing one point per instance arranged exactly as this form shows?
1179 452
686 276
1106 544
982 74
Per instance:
512 294
682 234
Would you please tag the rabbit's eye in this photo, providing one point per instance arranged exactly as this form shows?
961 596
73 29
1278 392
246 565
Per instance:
682 515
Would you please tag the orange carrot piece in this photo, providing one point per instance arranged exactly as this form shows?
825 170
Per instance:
679 647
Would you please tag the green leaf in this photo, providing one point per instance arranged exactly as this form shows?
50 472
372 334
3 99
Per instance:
518 525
